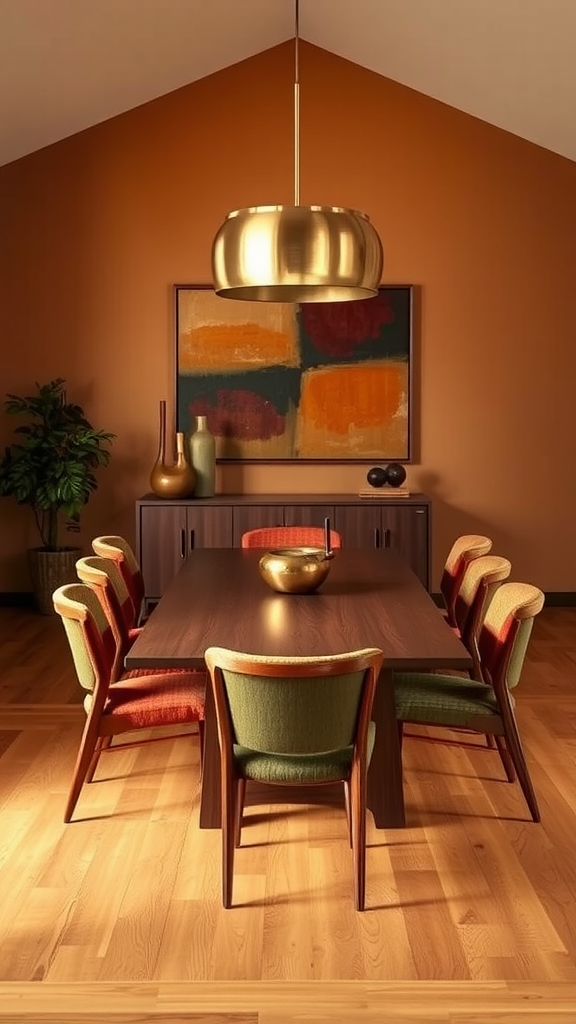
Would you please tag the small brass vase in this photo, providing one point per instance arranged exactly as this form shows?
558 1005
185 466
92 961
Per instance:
177 480
295 570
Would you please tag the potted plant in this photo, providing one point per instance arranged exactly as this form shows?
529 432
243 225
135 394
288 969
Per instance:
52 470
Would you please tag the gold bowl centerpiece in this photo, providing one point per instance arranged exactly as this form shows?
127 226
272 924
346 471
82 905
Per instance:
298 570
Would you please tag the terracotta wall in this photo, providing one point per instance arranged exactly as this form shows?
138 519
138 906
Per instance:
95 230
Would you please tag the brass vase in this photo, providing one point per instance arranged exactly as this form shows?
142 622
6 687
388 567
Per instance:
177 480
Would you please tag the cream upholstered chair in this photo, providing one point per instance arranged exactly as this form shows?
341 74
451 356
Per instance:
120 551
481 578
463 550
294 722
127 702
289 536
485 707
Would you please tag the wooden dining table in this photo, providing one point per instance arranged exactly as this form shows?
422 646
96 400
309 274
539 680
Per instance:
371 598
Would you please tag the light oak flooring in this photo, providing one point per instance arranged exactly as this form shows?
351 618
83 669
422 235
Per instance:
471 910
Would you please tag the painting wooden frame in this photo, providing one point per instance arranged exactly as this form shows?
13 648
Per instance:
279 382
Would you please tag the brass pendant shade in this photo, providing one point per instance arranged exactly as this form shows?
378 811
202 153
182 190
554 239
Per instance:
297 253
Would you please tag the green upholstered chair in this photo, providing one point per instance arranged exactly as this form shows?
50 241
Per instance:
130 701
119 550
289 536
487 706
463 550
292 722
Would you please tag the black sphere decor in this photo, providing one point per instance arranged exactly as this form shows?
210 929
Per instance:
395 474
376 476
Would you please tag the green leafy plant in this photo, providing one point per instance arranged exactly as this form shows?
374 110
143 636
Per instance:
53 468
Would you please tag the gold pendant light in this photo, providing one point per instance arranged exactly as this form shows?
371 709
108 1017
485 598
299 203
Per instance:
297 253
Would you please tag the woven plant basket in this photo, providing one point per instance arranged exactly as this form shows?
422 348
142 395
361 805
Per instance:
49 570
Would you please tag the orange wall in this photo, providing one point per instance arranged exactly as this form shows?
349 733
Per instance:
95 230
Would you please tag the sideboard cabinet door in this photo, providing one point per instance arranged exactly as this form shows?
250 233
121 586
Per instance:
402 527
162 545
167 533
405 528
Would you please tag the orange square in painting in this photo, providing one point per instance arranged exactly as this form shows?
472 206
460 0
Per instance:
221 336
348 410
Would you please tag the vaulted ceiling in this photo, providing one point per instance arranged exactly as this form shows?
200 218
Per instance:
68 64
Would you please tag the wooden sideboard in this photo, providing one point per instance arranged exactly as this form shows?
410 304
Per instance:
167 530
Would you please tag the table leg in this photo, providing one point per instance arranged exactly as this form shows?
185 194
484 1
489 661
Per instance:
210 789
385 790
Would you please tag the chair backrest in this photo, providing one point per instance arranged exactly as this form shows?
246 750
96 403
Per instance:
293 705
119 550
506 631
289 536
482 576
104 576
463 550
91 639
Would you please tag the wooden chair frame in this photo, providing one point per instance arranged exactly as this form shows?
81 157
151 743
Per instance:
233 785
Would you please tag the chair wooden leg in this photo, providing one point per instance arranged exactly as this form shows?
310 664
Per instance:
84 758
348 811
228 836
514 747
103 743
400 726
505 758
201 742
358 809
239 804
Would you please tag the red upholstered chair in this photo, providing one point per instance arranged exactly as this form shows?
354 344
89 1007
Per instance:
103 574
120 552
127 702
463 550
289 536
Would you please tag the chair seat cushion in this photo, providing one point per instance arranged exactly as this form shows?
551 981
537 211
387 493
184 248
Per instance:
146 698
294 769
442 699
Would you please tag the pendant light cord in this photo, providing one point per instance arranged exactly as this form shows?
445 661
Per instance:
296 107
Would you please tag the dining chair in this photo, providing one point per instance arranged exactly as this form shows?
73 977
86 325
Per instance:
482 577
289 536
119 550
103 574
463 550
134 700
294 722
485 707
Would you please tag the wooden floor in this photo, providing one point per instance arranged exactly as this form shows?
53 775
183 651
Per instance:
471 910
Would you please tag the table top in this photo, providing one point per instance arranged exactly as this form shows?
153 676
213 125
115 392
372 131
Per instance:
371 598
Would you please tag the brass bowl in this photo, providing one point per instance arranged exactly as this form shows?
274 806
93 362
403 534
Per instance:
295 570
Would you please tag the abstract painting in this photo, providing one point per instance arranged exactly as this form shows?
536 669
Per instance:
277 381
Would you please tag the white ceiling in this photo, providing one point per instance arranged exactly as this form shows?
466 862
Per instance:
69 64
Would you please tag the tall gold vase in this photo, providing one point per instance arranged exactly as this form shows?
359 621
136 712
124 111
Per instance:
177 480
